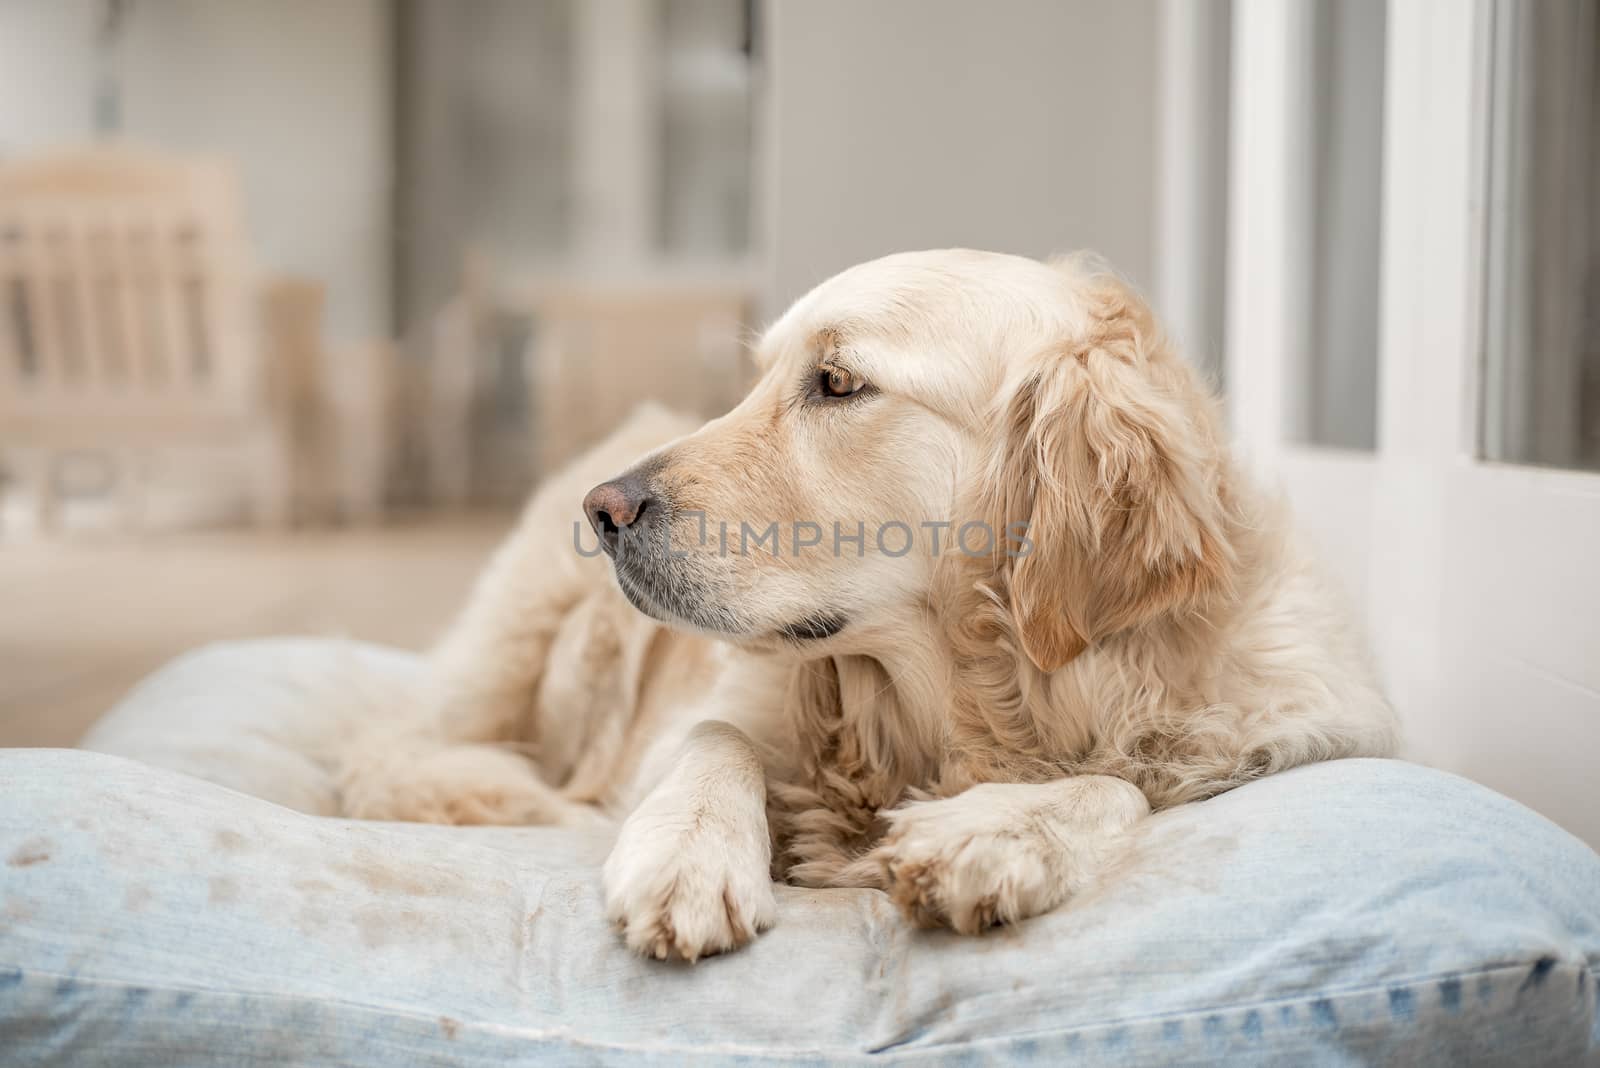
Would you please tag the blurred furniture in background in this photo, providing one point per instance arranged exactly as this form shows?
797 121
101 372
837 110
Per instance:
126 333
593 163
338 403
524 374
134 360
445 389
598 352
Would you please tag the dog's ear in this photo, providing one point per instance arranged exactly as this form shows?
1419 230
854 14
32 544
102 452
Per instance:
1110 455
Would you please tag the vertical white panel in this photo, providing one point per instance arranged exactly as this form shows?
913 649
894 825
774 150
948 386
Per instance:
1191 177
1268 221
1427 342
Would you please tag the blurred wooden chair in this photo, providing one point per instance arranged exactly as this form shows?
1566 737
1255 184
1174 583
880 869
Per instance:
126 326
133 333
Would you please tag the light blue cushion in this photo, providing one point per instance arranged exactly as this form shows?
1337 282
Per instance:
1353 912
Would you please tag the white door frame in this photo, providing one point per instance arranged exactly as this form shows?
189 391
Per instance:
1480 581
1269 286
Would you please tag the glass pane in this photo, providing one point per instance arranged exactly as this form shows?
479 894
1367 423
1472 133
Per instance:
483 103
1541 398
1341 403
513 81
705 128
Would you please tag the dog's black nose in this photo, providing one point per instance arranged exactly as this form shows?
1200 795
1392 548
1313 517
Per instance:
614 506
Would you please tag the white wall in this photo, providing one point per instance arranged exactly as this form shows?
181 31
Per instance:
46 72
293 91
1018 125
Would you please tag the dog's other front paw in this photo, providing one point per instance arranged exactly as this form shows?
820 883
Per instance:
999 853
950 864
685 889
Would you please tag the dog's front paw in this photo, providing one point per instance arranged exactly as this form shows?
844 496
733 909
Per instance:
687 889
973 861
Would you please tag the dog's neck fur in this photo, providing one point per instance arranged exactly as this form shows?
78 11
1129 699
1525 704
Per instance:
939 702
869 731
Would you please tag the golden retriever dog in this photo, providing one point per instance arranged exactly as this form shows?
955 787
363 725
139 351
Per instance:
965 588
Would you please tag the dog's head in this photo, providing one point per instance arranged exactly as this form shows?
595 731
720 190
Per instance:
1020 424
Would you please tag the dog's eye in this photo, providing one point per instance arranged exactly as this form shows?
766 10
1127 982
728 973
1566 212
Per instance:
836 382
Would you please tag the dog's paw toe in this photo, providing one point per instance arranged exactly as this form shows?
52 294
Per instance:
681 900
679 915
942 871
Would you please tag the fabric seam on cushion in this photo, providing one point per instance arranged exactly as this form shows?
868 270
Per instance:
894 1049
1335 994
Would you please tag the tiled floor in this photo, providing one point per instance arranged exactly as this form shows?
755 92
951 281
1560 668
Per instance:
83 618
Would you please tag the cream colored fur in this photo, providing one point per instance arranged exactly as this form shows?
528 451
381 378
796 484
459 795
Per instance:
983 729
